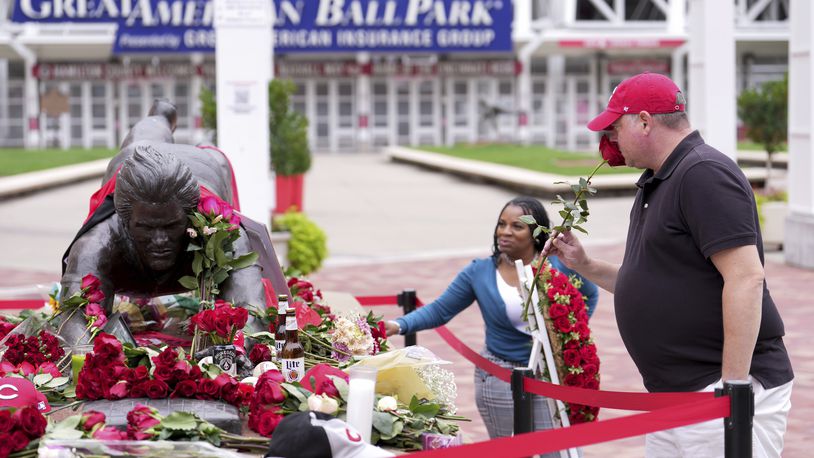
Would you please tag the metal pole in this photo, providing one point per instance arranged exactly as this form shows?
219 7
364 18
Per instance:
738 425
407 301
523 402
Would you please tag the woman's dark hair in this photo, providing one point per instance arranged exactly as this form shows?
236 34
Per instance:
530 206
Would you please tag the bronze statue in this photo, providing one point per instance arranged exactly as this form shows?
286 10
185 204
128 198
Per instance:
135 239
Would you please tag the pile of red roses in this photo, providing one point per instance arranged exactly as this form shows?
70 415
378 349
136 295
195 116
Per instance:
271 401
18 428
565 308
106 375
222 322
29 355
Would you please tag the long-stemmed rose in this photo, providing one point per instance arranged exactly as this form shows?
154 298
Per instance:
221 323
88 299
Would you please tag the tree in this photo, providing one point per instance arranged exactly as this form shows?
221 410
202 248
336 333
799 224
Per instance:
764 112
288 130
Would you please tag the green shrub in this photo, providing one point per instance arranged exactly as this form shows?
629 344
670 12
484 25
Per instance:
288 131
763 197
209 112
307 247
764 112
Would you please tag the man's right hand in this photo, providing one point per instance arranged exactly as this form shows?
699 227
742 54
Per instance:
392 328
567 247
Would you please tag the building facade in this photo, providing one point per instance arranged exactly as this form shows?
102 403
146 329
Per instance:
62 85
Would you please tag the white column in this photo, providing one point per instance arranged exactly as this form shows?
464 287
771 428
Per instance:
522 18
798 243
555 67
712 73
363 102
676 20
524 100
64 137
195 85
31 93
243 54
87 115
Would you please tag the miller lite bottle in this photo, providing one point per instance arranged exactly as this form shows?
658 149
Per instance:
279 333
292 357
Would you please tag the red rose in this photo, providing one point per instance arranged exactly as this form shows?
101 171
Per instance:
260 353
185 389
90 281
268 422
18 441
557 310
573 380
141 418
194 374
31 422
156 389
109 433
140 373
207 389
583 330
590 369
6 421
119 391
292 281
322 384
239 316
95 296
210 206
92 418
588 352
563 324
168 357
223 328
591 383
163 372
571 358
181 370
108 347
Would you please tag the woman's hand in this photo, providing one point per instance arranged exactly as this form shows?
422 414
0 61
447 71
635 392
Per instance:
392 328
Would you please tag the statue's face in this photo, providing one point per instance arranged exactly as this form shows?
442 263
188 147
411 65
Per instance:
158 232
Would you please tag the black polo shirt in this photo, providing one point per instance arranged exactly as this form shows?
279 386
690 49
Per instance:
668 291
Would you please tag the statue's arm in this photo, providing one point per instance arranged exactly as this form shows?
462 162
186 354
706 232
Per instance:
92 253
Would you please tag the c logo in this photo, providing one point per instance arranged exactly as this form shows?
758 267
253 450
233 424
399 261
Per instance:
353 437
7 397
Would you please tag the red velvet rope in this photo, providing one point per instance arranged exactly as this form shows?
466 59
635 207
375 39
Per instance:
21 303
589 433
607 399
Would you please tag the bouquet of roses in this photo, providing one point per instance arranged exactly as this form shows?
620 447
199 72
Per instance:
114 372
212 236
222 323
20 430
88 299
563 309
29 355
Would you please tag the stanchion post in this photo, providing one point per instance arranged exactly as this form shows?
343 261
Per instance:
407 301
523 402
738 425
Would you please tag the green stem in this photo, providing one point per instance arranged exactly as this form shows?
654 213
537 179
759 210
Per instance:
552 236
61 325
73 404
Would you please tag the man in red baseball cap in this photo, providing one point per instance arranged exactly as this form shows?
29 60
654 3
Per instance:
691 302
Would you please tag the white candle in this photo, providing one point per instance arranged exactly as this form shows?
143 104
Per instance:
361 394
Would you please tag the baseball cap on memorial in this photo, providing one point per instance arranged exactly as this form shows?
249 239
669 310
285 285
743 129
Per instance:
316 435
19 392
649 92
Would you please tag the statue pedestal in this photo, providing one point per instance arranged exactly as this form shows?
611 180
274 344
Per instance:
218 413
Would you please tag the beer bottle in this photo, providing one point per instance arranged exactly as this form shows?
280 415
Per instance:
279 333
293 356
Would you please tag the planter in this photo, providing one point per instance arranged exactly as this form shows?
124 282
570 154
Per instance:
774 220
289 190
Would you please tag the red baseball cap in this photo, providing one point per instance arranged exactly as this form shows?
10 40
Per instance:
649 92
19 392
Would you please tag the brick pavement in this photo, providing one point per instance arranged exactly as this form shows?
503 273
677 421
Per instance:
791 288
